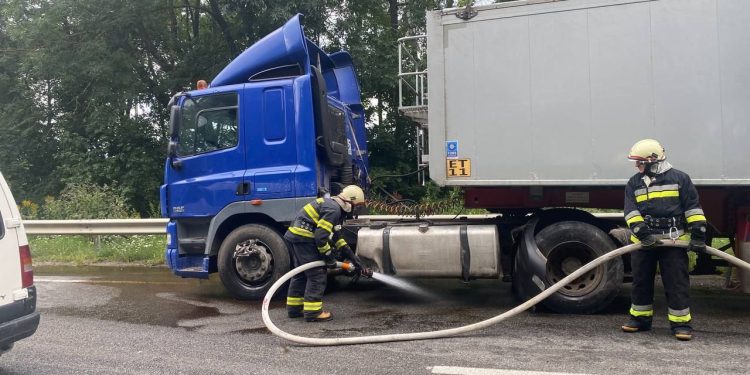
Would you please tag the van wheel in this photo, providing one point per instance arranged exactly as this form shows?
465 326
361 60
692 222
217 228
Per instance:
568 245
251 258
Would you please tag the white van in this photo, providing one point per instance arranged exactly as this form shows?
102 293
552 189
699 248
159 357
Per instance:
18 316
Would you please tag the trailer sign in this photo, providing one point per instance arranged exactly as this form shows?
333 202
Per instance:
458 168
451 149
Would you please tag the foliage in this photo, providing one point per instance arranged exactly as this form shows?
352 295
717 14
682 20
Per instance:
87 82
369 30
29 210
83 201
87 250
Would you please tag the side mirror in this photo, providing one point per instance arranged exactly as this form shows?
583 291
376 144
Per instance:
174 121
172 153
174 132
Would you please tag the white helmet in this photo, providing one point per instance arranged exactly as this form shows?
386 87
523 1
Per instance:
351 196
648 151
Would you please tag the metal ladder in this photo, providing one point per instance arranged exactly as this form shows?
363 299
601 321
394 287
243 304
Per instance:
412 92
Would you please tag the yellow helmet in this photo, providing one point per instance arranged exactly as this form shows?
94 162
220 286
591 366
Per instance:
353 194
647 150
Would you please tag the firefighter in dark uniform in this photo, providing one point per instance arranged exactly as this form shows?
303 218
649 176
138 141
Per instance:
314 234
661 203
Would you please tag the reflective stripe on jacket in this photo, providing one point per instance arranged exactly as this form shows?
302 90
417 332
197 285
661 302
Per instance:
317 222
670 194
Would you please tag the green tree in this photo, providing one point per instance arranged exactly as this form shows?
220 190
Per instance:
86 82
84 112
369 30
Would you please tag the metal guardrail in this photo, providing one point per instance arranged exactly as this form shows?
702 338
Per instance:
158 226
96 227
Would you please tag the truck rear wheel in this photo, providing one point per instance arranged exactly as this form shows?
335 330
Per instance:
251 259
568 245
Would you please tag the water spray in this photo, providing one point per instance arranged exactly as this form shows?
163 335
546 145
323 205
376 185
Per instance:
464 329
403 285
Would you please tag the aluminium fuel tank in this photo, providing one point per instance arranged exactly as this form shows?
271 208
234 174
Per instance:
424 250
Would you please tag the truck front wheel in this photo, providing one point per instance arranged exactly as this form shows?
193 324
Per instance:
251 259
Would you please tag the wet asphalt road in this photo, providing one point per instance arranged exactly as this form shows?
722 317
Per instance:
110 320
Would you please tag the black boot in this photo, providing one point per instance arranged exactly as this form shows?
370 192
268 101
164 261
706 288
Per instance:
637 323
294 312
683 332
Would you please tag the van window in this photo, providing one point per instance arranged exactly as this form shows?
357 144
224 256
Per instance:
209 123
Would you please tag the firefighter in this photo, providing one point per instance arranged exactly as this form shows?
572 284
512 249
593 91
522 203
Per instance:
661 203
314 235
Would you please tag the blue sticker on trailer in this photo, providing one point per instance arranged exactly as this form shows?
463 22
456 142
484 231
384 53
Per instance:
451 149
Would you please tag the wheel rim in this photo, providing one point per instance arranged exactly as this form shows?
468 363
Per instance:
565 259
253 262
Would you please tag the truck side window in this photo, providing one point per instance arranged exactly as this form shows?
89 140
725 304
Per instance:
208 123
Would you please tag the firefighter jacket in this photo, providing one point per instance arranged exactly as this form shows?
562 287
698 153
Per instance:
319 221
666 202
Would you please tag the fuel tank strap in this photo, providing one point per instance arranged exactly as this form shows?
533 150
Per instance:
465 253
388 268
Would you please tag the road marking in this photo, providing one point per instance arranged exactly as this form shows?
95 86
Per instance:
450 370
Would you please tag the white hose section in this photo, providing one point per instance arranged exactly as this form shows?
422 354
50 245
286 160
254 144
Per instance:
468 328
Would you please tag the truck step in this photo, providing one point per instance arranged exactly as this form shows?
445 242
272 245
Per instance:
197 266
193 245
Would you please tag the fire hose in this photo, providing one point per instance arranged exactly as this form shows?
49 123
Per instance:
467 328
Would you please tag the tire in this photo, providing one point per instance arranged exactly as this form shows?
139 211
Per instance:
251 258
515 285
6 349
568 245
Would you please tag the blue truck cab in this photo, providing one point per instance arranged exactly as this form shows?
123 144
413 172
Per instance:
280 125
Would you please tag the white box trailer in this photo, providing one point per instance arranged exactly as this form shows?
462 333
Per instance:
531 108
555 92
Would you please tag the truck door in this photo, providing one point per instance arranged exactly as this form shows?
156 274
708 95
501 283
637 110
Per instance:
207 173
270 139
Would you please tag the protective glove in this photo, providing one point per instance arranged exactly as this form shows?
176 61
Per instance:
360 267
698 246
697 238
647 237
347 252
329 260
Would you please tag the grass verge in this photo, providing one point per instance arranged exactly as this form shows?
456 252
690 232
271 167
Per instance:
98 249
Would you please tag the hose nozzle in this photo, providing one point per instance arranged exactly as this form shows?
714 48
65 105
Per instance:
350 267
346 266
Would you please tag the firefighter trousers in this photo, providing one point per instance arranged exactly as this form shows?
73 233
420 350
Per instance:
673 268
306 289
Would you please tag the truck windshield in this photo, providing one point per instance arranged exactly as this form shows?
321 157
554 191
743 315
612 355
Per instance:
209 123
